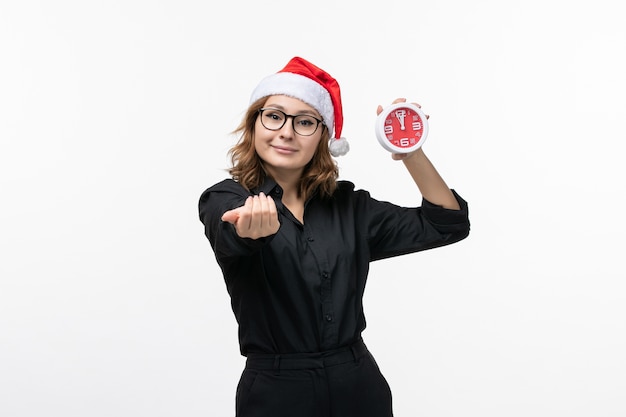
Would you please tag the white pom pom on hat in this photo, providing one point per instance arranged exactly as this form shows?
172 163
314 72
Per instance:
302 80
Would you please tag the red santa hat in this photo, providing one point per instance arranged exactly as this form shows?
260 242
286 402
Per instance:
302 80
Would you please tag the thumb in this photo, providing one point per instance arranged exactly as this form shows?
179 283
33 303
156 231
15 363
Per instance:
231 216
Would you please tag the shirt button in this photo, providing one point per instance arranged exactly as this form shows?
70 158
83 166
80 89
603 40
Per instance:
325 275
328 317
310 239
277 191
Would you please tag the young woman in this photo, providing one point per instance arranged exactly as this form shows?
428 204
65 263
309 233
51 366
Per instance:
294 245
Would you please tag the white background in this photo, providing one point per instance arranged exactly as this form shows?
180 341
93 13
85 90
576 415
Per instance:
115 115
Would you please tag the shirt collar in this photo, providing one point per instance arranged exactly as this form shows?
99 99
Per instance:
269 187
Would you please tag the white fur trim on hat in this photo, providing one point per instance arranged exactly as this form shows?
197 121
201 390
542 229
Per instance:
300 87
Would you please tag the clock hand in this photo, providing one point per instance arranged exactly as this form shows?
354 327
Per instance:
400 115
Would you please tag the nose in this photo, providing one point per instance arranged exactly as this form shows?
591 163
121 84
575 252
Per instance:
287 131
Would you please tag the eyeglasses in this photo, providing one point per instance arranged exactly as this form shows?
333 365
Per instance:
303 124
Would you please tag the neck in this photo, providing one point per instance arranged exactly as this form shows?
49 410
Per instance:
290 197
288 181
294 203
290 191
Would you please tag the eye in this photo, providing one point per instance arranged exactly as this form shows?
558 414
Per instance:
274 115
306 121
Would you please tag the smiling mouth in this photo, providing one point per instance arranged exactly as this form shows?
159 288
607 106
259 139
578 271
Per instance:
282 149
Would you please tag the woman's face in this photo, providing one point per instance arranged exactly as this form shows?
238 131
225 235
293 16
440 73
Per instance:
284 151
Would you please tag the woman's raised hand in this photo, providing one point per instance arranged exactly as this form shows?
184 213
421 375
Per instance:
257 218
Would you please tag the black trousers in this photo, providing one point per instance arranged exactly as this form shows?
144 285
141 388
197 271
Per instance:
341 383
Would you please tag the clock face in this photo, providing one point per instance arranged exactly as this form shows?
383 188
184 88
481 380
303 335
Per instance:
401 128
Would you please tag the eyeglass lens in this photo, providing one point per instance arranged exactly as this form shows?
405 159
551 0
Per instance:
303 124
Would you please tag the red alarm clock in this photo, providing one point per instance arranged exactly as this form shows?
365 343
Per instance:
401 128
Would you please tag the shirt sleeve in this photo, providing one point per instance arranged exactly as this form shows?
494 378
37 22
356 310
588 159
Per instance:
393 230
214 202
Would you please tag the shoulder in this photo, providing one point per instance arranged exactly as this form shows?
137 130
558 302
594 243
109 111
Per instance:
225 186
224 195
347 189
345 186
344 190
347 193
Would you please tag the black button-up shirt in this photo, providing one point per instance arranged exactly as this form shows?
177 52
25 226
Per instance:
301 289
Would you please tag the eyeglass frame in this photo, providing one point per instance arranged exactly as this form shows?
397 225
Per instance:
293 120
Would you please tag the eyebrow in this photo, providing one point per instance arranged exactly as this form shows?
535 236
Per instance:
279 107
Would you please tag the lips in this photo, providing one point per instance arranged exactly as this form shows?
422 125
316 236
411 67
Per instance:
283 149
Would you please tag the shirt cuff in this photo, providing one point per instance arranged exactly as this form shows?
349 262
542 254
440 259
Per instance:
440 215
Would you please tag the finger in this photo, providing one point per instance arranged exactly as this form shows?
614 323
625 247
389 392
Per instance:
379 109
272 214
245 216
399 100
420 106
264 210
257 216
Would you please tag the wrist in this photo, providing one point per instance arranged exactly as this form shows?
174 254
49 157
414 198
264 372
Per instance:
414 156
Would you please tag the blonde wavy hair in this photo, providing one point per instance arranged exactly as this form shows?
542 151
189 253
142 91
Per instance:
320 174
